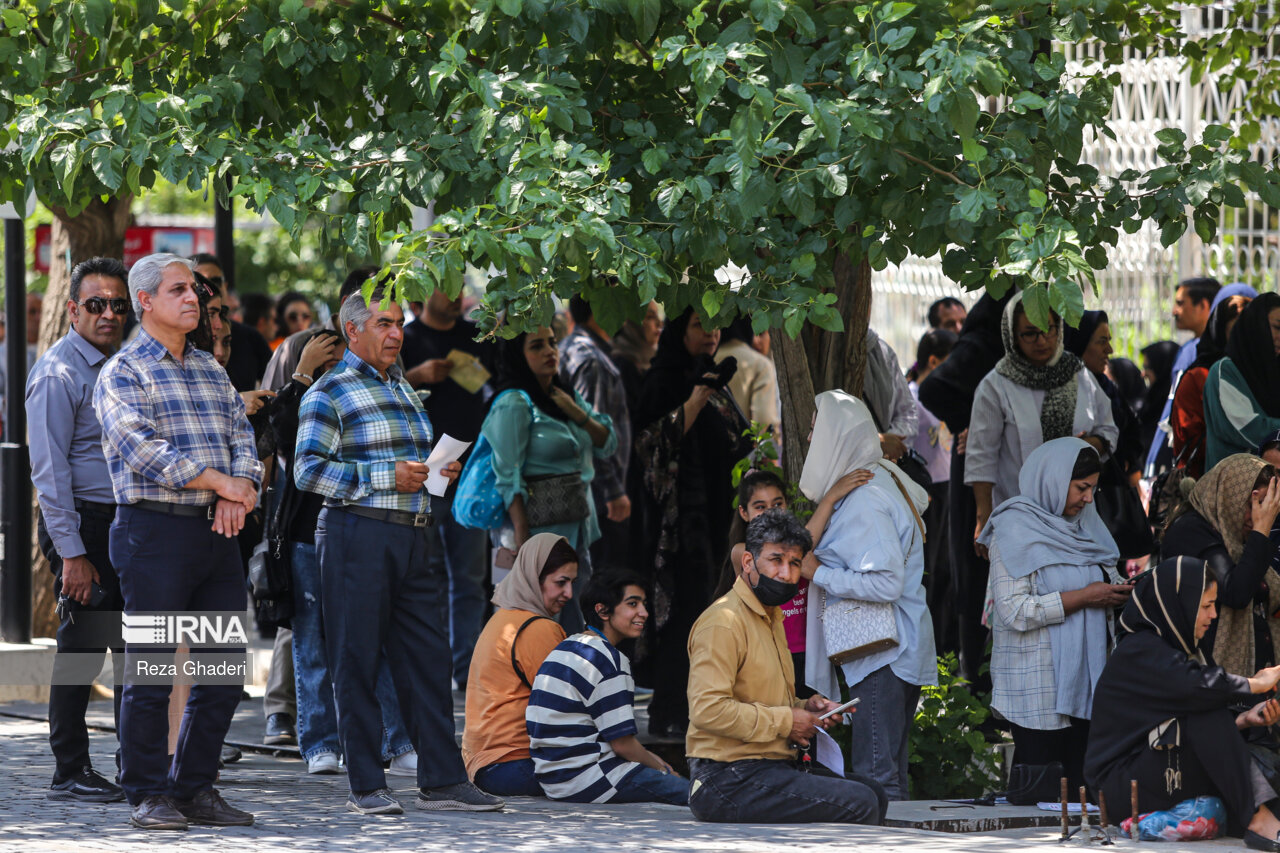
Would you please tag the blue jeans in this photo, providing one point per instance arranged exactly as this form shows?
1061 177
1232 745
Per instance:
880 729
646 785
382 599
460 553
317 716
509 779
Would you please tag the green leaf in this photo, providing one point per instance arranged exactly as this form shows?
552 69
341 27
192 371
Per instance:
964 114
1171 231
1036 198
653 159
510 8
989 77
833 179
712 300
895 12
645 14
973 151
1036 300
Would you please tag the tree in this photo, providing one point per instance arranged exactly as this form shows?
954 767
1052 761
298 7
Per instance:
810 142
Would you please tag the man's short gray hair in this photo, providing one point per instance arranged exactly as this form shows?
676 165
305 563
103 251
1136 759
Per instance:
357 312
145 275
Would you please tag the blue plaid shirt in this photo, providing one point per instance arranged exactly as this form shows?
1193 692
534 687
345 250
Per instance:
352 429
164 423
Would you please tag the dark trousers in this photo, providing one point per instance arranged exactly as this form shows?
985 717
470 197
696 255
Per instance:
1213 760
1045 746
968 579
84 635
764 791
938 577
173 563
380 592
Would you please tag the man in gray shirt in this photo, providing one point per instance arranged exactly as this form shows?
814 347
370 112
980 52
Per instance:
77 506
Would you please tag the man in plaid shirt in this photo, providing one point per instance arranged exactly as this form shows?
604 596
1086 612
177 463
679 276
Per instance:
363 441
184 472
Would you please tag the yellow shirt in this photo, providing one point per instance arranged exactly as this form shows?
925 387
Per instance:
741 681
496 697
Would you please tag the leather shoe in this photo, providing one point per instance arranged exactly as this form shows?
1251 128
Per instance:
280 731
157 812
207 808
1254 841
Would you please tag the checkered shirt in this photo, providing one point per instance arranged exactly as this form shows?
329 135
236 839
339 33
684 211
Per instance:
353 428
165 422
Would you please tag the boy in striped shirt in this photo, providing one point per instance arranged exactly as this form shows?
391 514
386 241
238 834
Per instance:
582 730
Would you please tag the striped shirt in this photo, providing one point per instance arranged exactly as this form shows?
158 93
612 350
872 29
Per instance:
581 701
353 427
165 422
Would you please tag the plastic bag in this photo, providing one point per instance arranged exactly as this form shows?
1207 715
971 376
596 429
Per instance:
1197 819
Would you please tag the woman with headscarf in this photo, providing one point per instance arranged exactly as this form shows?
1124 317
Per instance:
514 643
1091 343
1186 415
545 439
1162 710
1157 369
633 348
1038 392
1241 399
688 438
1053 583
1226 521
872 550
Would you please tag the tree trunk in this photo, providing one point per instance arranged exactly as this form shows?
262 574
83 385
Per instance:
820 361
97 232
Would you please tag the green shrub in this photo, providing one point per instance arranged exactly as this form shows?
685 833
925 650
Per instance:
949 756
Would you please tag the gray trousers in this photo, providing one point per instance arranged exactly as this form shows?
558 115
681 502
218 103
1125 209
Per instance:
280 697
880 729
760 790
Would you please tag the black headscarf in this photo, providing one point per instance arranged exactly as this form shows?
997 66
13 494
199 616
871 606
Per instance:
514 373
1076 340
1160 357
1213 343
1252 352
672 373
1157 672
1128 378
948 391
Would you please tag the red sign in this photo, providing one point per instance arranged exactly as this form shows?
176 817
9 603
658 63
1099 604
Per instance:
139 241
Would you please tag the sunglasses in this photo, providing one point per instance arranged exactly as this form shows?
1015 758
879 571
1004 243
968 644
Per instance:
293 317
96 305
215 280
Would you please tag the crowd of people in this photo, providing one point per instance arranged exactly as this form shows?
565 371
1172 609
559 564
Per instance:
992 489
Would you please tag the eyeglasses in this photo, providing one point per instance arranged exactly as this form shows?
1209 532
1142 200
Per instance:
215 280
1030 336
96 305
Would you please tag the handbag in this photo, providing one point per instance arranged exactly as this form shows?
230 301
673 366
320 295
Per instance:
853 628
1034 783
1121 510
556 499
478 504
271 567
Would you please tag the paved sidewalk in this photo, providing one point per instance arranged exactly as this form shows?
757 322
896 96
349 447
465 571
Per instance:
298 813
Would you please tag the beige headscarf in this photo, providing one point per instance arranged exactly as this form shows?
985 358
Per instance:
1221 496
520 590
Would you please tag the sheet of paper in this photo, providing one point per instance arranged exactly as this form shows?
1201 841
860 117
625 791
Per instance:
828 753
467 370
447 449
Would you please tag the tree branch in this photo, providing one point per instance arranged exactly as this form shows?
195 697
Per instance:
932 168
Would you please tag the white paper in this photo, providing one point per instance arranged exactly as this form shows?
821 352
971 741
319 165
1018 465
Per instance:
828 753
1072 808
447 449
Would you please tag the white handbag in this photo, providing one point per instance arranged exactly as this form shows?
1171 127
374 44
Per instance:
853 628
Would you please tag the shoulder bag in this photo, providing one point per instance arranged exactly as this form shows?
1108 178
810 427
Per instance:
853 628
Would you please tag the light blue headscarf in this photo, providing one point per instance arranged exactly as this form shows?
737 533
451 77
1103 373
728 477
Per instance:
1237 289
1061 554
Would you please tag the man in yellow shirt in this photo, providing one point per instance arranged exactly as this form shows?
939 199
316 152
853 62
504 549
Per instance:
744 719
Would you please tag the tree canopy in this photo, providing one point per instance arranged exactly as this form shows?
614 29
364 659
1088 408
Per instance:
627 149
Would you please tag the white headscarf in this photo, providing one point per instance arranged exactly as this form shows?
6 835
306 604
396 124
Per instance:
845 439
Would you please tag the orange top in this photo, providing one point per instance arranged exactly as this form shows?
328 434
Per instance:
496 698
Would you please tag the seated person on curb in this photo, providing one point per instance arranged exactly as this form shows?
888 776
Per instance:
582 729
516 640
744 718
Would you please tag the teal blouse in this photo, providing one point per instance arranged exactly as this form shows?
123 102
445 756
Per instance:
527 442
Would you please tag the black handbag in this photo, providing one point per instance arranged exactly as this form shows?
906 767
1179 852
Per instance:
1121 510
556 499
1035 783
913 465
271 568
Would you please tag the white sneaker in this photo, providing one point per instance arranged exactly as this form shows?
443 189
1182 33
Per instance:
325 763
404 765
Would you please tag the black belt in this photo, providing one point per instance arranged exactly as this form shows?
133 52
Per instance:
393 516
187 510
96 506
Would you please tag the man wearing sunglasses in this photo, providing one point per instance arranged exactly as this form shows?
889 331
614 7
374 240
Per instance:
73 484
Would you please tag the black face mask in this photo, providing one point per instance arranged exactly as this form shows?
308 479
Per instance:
772 592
